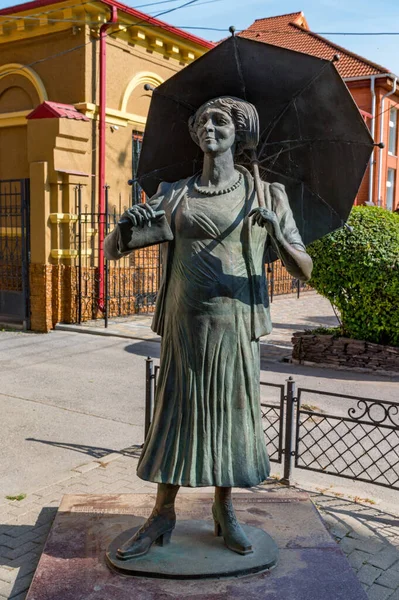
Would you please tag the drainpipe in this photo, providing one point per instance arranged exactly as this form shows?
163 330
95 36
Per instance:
395 81
101 161
373 107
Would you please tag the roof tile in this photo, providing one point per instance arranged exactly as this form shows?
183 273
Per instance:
56 110
292 32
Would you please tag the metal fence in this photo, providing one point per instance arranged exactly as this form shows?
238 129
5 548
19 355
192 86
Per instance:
14 251
130 285
359 440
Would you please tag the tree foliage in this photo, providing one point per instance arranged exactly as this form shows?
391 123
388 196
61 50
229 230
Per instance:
358 272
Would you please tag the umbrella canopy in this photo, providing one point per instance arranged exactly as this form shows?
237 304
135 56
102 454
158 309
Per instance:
313 137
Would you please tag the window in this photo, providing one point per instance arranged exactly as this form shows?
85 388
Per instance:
390 189
138 195
393 130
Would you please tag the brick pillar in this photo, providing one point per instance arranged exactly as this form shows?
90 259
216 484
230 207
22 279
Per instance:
40 269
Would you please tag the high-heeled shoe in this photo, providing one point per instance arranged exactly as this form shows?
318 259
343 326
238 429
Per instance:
226 524
156 530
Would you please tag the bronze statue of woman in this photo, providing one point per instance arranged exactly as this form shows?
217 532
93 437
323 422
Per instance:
211 310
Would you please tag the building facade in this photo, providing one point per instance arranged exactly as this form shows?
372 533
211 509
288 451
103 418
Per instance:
72 102
374 89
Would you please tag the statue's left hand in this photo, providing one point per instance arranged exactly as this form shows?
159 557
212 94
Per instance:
266 218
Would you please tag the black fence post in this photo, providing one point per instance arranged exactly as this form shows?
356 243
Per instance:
289 431
78 192
149 393
106 265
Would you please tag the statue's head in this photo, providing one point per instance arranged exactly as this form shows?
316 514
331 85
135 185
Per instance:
224 122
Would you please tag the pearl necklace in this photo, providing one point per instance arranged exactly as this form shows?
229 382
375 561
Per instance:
207 192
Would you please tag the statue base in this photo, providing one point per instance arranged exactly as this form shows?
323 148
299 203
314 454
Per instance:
195 553
311 566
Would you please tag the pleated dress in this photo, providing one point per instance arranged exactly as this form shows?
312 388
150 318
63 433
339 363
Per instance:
207 427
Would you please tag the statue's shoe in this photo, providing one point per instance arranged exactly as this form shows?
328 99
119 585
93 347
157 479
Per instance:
226 524
156 530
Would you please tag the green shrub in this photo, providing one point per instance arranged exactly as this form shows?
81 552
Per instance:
358 272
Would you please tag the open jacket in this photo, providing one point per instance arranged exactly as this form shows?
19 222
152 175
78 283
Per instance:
255 243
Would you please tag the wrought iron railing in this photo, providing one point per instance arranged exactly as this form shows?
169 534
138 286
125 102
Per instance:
358 441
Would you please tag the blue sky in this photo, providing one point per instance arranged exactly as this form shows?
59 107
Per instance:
322 16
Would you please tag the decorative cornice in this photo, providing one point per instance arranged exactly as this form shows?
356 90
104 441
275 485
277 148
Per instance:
112 116
14 119
25 21
28 73
139 79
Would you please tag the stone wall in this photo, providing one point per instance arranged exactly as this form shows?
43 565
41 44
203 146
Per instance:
327 350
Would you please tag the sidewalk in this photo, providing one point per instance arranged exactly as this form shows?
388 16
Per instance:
368 537
289 314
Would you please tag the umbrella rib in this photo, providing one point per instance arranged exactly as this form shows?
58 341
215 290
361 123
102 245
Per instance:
177 100
293 99
316 140
239 67
315 194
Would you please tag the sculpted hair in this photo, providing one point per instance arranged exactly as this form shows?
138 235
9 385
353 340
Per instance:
244 115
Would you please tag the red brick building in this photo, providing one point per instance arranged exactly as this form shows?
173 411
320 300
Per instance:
372 86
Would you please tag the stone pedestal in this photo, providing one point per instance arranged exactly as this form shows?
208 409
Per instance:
310 567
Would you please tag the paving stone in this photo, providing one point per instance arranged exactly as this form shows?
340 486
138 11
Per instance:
368 574
395 596
378 592
5 588
87 467
389 578
348 544
339 530
19 551
8 574
385 558
21 585
20 596
357 559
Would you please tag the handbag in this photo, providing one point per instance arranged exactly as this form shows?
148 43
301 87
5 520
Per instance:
137 236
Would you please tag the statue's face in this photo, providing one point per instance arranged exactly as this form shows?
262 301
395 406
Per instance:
216 131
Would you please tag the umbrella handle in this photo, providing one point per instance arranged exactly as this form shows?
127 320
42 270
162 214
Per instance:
258 182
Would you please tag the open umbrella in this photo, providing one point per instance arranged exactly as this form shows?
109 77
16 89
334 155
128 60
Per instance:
313 137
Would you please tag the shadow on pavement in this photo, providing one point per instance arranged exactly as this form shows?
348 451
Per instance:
152 349
94 451
20 551
326 373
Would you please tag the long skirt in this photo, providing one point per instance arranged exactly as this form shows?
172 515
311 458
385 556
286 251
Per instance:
207 427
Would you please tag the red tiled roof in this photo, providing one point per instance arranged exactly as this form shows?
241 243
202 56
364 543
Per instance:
56 110
292 31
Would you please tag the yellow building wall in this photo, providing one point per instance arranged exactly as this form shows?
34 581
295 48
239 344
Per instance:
57 154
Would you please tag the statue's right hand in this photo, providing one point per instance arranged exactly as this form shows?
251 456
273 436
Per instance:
140 215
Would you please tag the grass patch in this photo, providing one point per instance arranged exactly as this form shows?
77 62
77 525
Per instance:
18 498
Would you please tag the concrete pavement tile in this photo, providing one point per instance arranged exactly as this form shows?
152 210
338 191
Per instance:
32 557
395 595
369 544
87 467
368 574
357 559
378 592
339 530
5 589
389 578
348 544
8 574
21 585
385 558
106 460
13 554
20 596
